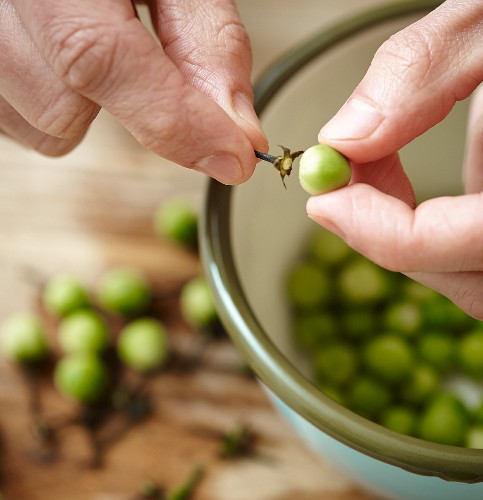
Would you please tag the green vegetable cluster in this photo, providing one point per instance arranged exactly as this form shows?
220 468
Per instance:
85 335
385 346
102 346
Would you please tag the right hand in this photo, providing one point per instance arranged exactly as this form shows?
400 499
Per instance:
412 84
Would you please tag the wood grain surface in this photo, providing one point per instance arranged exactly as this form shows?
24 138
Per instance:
83 213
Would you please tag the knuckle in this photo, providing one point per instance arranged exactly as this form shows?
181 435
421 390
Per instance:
233 37
83 55
224 45
66 116
469 297
409 55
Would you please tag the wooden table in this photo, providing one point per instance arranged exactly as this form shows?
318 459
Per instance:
83 213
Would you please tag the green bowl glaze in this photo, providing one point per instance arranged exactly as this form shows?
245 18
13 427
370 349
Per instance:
250 233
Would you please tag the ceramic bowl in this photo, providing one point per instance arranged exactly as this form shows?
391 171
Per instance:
250 235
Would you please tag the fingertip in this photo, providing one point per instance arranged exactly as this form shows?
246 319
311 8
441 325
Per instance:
323 210
228 167
327 223
224 167
249 162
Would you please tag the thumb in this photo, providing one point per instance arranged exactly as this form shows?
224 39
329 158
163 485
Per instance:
413 82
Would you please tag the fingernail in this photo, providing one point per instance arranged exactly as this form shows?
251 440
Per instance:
244 108
355 120
224 167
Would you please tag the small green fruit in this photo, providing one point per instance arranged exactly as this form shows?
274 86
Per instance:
63 294
389 357
323 169
143 344
178 222
81 377
444 421
308 286
368 396
400 419
124 291
83 331
470 353
361 282
23 338
336 364
197 304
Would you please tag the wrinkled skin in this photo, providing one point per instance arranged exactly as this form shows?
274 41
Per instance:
188 98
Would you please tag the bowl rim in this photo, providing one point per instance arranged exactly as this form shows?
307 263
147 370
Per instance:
273 369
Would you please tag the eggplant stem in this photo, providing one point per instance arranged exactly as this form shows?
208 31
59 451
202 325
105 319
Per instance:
266 157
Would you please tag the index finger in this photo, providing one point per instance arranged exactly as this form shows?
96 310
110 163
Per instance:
101 50
440 235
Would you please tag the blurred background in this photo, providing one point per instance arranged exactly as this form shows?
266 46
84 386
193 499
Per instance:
93 209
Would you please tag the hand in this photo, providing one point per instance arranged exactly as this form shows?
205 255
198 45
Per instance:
413 82
188 98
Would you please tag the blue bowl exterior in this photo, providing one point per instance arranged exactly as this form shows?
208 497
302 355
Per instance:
379 477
